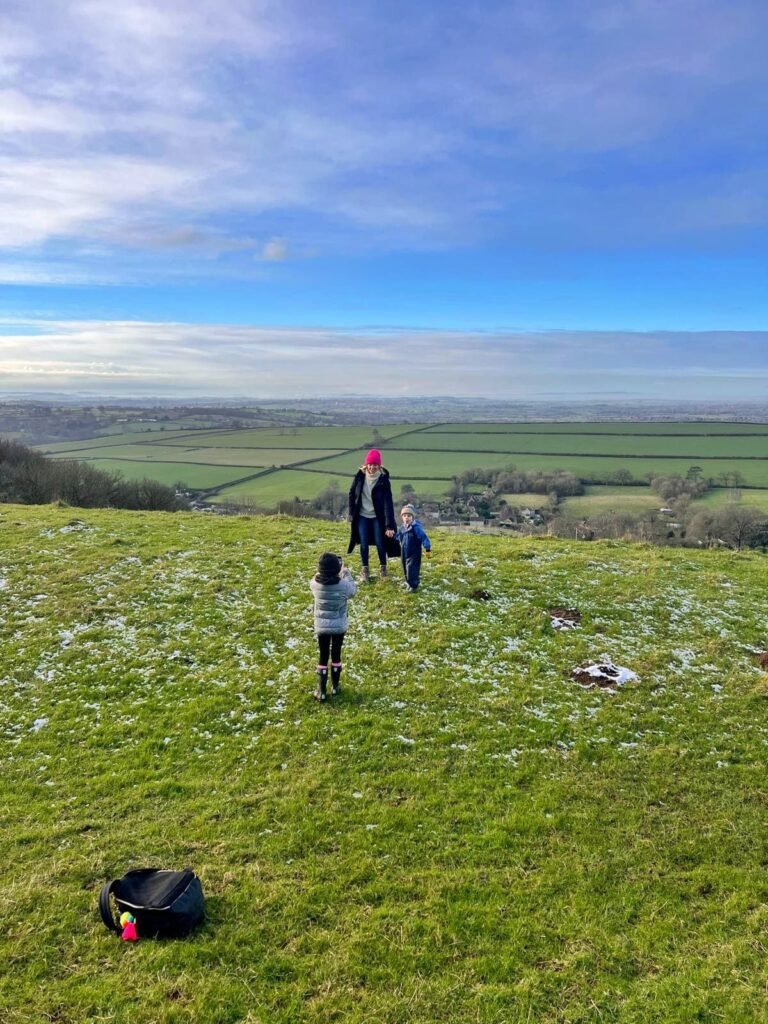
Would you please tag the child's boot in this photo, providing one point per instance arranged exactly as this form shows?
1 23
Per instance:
335 679
383 572
322 683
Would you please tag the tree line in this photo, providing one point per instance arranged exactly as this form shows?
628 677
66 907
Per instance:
732 525
679 519
28 478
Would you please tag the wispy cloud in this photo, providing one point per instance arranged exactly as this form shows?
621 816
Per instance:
271 121
275 250
114 358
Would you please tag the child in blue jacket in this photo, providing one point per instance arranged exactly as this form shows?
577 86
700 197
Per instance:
412 537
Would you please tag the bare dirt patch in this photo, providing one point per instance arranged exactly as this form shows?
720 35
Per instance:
480 595
564 618
603 674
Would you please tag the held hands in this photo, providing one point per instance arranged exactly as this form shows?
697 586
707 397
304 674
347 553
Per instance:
428 554
389 533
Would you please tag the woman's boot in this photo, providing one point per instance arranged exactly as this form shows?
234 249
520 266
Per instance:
365 576
322 684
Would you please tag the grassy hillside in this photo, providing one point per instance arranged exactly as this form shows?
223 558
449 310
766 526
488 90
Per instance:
464 835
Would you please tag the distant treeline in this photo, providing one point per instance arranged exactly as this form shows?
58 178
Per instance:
28 478
514 481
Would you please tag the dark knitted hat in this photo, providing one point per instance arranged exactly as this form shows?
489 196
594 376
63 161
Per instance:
329 564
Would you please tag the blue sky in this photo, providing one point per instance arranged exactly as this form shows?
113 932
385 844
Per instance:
247 197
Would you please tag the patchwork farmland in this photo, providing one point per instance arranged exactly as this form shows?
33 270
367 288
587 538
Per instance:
261 467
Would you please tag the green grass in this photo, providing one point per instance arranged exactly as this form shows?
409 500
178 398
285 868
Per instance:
407 464
172 472
722 496
446 464
527 499
300 437
286 484
465 835
596 500
146 436
236 457
693 448
569 429
637 500
282 485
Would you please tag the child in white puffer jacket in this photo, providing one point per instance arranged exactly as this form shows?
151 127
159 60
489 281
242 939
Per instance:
331 586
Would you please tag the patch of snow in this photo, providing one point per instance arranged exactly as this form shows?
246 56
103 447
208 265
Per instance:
602 673
78 526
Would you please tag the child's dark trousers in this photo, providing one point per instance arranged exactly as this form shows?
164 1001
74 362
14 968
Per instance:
330 645
412 566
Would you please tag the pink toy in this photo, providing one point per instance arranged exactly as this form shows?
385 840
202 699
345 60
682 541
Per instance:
128 921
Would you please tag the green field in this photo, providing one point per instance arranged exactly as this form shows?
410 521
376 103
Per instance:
285 484
593 451
598 499
447 464
195 476
112 440
722 496
295 437
526 500
464 835
627 446
236 457
637 427
636 500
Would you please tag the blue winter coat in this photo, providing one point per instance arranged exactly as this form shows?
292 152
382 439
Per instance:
412 538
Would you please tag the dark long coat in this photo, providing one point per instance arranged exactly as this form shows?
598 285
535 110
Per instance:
382 504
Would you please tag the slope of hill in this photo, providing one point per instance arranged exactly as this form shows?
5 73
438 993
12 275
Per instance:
466 834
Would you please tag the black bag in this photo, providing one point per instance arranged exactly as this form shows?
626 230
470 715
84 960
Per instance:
164 903
392 547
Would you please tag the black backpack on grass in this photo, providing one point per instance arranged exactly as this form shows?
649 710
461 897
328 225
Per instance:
166 904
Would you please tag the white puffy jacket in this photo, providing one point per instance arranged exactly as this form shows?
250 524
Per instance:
331 603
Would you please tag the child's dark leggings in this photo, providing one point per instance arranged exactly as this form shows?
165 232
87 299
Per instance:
330 643
412 568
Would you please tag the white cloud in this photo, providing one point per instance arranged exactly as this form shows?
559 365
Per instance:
275 250
44 198
453 121
20 113
177 359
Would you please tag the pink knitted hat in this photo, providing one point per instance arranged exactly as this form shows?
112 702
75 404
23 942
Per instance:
373 458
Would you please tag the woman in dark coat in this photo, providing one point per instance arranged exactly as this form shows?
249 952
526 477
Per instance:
371 511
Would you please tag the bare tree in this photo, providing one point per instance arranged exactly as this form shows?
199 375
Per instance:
738 524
